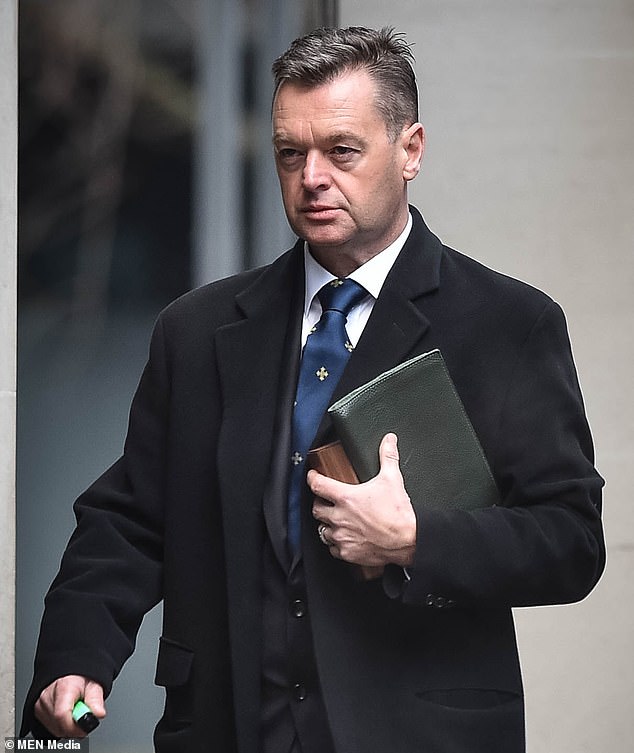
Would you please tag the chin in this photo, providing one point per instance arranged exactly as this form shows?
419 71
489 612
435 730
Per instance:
325 236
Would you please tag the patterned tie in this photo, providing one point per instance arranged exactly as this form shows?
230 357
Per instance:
325 355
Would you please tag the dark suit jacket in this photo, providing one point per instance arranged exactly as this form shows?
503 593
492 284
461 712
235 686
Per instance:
180 517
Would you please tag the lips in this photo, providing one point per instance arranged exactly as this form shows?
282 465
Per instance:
319 211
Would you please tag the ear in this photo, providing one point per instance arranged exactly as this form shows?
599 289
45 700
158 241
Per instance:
413 143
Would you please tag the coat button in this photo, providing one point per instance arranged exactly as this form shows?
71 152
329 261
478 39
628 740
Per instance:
299 692
298 608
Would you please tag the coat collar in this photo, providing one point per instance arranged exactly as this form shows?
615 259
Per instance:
395 330
251 364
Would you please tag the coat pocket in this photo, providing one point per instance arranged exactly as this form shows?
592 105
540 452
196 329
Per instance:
465 720
469 698
174 673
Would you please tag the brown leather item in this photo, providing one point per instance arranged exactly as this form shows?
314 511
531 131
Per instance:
331 460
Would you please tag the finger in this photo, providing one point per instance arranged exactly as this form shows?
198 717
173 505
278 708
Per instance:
93 698
388 449
323 512
388 455
69 690
328 489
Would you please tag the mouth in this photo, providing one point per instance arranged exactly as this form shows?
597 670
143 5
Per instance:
322 212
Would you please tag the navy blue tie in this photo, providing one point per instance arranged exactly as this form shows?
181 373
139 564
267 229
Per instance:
325 356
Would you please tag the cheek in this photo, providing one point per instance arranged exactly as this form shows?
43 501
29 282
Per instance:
389 182
372 182
356 188
288 185
374 192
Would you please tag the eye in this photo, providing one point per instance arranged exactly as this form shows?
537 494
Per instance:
288 155
344 156
343 151
289 159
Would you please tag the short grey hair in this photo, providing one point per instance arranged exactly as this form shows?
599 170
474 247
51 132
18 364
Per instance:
323 55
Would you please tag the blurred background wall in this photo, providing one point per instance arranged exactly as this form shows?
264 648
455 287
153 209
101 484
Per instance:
530 168
8 240
145 169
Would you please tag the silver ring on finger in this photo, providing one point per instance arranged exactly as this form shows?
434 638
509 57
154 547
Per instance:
322 534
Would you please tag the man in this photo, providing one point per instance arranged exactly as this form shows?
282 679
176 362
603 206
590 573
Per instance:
271 642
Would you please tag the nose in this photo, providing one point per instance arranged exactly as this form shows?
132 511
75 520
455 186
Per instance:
316 173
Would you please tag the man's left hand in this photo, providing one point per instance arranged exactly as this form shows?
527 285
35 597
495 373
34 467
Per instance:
370 524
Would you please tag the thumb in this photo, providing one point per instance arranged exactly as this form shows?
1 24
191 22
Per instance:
388 452
93 698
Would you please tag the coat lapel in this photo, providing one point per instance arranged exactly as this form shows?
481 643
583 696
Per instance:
250 358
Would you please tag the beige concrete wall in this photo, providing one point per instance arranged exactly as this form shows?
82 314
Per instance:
8 234
529 110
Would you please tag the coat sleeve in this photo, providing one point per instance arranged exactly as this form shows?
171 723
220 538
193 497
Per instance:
110 574
544 543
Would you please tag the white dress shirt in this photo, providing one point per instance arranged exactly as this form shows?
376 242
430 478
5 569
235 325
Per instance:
371 275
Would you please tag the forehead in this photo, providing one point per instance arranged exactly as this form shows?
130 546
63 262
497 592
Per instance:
347 100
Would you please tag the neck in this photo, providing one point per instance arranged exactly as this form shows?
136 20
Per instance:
342 260
337 264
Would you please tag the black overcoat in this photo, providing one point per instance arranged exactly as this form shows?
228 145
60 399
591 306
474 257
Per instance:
179 517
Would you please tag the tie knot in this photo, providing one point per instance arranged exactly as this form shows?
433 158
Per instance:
341 295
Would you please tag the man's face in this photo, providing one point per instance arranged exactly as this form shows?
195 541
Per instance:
343 180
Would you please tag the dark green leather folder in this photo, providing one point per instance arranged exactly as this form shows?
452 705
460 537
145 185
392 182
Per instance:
441 458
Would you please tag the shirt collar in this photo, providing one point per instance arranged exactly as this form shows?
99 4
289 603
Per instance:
371 275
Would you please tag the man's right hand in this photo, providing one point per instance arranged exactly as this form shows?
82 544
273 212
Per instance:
55 705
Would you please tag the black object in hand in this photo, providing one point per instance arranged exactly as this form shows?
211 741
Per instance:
84 718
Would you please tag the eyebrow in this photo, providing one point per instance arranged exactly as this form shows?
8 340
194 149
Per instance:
281 138
339 136
334 138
